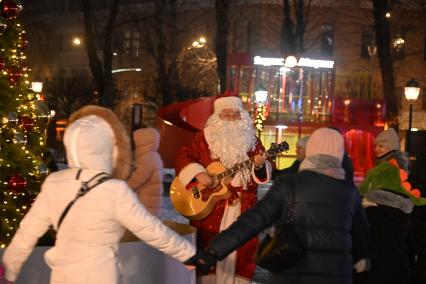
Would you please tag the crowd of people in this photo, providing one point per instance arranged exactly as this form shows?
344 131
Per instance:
373 233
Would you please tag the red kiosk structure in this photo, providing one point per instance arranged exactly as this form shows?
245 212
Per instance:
295 98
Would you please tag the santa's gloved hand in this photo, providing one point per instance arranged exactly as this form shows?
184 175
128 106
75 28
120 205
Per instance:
203 260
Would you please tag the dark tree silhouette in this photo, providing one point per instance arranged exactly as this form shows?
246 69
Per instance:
384 52
101 69
221 40
67 93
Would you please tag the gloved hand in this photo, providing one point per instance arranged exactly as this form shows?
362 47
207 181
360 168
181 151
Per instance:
203 260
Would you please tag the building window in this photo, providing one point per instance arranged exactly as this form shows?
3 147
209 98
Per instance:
249 30
327 40
368 45
398 47
242 36
126 42
131 43
136 44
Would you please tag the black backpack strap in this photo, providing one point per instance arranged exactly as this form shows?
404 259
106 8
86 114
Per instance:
86 186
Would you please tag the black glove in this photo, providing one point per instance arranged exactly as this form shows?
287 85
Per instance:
203 260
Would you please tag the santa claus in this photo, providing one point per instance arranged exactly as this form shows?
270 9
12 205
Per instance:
230 138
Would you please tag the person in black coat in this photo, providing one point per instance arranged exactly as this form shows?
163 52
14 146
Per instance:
388 206
328 218
417 232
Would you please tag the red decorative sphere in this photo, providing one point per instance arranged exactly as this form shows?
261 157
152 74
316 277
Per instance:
16 183
26 122
14 74
11 9
2 64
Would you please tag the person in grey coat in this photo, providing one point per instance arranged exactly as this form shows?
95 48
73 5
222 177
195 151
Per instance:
328 218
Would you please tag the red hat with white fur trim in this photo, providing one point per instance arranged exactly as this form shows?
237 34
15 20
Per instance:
228 102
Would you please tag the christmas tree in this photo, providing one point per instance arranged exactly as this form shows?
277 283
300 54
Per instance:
22 125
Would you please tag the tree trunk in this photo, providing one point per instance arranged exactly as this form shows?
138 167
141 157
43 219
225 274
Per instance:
221 40
109 92
287 36
101 73
300 27
173 72
383 40
163 83
293 30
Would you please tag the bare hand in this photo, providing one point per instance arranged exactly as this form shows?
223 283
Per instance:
190 267
204 179
2 278
259 159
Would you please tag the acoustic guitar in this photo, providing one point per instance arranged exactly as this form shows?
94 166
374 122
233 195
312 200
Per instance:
196 202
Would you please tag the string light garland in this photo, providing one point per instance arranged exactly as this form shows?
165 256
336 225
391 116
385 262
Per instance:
22 139
260 116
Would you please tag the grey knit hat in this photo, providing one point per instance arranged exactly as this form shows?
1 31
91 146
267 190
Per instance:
389 139
325 141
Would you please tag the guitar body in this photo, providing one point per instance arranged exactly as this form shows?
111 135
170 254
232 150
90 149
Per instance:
196 202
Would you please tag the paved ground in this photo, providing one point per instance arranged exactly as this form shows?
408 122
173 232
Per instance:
169 213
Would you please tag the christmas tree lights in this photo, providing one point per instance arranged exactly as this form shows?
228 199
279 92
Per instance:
22 141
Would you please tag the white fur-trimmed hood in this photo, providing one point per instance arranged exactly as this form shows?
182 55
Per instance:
96 139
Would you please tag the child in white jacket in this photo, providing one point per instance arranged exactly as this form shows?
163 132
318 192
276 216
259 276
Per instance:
86 244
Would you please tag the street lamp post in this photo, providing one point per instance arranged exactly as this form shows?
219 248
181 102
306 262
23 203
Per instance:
37 87
261 95
290 61
411 91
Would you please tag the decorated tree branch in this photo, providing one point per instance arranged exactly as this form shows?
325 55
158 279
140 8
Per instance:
22 125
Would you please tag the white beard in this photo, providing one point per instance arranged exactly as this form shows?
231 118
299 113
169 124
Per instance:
230 141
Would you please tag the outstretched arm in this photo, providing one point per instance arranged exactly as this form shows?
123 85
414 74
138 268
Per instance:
261 216
133 215
33 226
265 213
188 161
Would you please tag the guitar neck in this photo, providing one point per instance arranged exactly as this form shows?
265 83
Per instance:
239 167
234 169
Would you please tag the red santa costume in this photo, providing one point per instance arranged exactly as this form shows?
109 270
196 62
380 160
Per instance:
229 142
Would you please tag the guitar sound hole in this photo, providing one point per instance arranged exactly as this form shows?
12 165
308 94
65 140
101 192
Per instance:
208 191
195 192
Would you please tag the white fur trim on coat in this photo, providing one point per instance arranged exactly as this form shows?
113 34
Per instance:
189 172
268 173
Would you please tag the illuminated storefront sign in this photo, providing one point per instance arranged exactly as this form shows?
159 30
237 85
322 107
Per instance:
315 63
268 61
303 62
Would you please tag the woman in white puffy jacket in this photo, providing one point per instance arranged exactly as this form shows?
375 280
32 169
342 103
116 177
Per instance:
147 178
86 245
